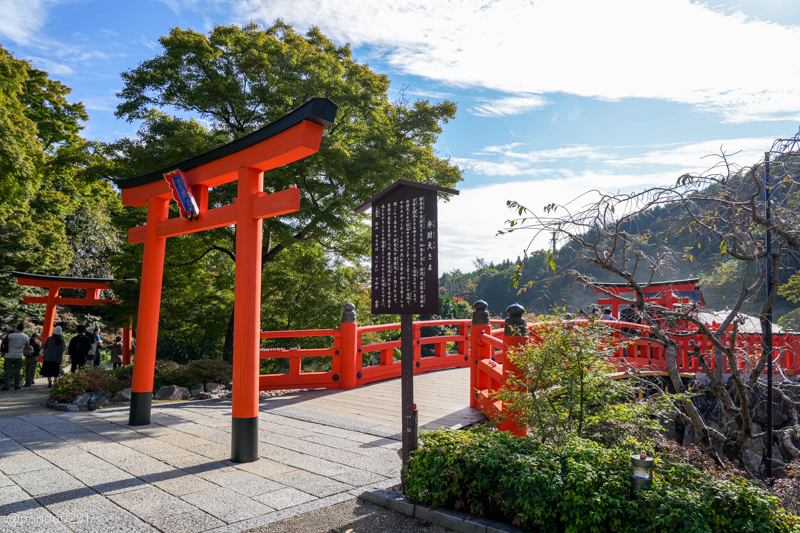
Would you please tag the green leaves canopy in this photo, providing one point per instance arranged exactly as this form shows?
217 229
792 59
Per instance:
55 215
241 78
238 79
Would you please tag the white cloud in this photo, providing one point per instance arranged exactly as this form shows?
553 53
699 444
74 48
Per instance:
512 160
513 105
177 5
674 50
21 20
468 223
745 152
573 151
55 68
494 168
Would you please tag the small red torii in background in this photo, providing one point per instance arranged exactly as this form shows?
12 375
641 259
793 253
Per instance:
288 139
664 293
54 284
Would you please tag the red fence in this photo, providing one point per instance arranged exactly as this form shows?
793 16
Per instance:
347 369
483 350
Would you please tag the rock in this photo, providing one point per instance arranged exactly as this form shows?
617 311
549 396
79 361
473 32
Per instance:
213 387
62 406
123 396
690 437
204 395
98 401
778 465
83 400
758 406
229 395
197 389
673 430
754 450
172 392
752 461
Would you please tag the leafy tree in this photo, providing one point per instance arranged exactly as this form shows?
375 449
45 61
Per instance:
54 215
564 386
20 150
240 78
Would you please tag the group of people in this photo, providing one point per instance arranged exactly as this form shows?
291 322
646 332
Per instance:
631 314
84 349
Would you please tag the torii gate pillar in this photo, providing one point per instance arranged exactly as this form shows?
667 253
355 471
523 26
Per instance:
149 308
247 325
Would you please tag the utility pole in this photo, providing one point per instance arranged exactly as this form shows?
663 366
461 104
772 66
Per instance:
768 329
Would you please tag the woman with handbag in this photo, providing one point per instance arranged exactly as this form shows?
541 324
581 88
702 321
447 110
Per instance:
31 353
53 355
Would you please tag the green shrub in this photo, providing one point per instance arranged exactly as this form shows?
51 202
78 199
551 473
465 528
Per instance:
172 349
564 389
97 380
200 371
205 370
581 486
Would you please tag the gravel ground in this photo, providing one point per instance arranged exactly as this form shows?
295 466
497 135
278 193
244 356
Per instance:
353 516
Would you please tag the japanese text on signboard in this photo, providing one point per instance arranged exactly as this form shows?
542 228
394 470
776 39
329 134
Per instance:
404 253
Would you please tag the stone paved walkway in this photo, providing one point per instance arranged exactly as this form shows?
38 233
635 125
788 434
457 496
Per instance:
96 473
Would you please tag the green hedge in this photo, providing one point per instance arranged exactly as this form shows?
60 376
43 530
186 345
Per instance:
200 371
580 486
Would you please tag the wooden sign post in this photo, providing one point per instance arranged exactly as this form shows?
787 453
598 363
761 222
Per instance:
405 274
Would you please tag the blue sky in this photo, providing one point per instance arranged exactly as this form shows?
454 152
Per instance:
555 96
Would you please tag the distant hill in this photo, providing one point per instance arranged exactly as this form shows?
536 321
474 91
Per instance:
720 275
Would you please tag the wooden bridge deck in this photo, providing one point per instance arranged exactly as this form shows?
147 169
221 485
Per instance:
442 398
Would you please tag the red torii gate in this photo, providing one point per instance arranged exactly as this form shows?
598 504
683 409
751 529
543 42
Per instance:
664 293
292 137
54 284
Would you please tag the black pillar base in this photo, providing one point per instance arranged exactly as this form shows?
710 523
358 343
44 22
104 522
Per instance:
140 408
244 440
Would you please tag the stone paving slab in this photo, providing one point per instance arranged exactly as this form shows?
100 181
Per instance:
175 474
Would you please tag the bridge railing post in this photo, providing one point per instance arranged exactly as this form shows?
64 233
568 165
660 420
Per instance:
480 325
348 357
515 336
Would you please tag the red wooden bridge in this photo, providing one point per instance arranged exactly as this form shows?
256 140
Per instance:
479 344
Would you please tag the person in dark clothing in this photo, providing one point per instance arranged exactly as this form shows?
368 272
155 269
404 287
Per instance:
53 348
32 360
116 352
607 315
79 348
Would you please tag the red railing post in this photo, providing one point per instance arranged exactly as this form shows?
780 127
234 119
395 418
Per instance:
514 336
480 325
349 357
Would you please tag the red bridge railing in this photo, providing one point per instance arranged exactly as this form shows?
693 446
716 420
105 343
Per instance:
483 349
